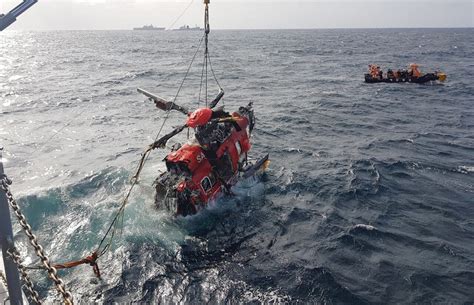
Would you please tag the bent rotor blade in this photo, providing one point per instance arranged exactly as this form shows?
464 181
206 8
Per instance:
162 103
161 142
217 99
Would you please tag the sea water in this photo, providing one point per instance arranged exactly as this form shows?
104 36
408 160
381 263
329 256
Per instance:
368 198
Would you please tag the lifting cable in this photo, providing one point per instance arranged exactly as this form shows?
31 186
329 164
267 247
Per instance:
181 15
119 216
207 29
206 59
110 233
147 151
202 77
213 74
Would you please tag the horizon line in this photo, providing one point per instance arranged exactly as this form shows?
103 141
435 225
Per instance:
253 29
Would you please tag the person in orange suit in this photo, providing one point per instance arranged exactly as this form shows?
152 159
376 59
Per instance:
414 71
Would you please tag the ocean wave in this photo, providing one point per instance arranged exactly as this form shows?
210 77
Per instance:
364 177
366 200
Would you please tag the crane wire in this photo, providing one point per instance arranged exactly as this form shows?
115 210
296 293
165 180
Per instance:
181 15
200 85
212 70
207 59
113 226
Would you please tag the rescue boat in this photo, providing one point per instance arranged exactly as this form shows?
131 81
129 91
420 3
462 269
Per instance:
412 75
428 77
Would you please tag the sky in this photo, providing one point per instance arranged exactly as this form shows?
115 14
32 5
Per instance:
243 14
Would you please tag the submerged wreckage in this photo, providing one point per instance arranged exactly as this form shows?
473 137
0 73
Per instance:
211 163
215 159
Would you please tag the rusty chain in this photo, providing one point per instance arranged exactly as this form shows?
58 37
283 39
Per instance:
15 255
3 279
60 286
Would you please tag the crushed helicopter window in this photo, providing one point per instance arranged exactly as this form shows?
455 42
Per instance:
206 184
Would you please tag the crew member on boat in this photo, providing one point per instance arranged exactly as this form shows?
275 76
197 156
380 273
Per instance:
390 74
414 71
373 70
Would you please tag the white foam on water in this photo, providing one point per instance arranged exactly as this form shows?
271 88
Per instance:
364 226
466 169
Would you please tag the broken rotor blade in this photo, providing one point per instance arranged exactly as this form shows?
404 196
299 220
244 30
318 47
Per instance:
162 103
161 142
217 99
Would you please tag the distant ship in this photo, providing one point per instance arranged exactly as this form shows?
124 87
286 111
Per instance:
188 28
149 28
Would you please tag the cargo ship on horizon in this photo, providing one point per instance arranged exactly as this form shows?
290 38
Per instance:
149 28
188 28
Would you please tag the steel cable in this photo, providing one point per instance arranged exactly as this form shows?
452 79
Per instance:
113 226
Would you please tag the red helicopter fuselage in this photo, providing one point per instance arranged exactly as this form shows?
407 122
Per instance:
197 174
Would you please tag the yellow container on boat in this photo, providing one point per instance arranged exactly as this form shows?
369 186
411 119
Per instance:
441 76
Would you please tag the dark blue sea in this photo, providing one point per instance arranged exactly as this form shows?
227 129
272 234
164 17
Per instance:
369 198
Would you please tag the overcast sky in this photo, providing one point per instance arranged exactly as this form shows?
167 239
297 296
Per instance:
244 14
